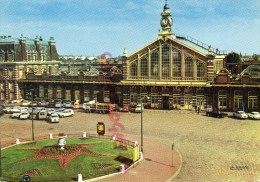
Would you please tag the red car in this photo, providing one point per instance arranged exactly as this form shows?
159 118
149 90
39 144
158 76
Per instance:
126 108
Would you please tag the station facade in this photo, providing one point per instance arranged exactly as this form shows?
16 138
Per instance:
172 72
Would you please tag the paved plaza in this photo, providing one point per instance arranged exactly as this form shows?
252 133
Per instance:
212 149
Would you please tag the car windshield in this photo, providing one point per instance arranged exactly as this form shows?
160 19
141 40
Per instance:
255 113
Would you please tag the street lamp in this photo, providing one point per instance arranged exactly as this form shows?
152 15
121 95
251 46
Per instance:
32 97
142 142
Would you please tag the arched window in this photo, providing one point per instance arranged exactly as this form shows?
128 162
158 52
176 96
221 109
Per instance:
238 100
252 100
201 70
188 68
144 67
133 70
176 64
155 64
165 62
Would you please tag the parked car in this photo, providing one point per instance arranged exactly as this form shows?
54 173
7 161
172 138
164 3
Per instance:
1 112
24 115
68 105
125 108
240 115
54 118
43 103
15 109
33 104
16 115
16 101
216 114
66 113
254 115
139 108
7 109
25 103
51 110
58 104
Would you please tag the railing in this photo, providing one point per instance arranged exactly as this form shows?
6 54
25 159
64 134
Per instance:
201 44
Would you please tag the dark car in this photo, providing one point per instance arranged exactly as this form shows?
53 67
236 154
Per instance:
1 112
216 114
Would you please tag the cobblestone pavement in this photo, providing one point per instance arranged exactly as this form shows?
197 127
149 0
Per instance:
212 149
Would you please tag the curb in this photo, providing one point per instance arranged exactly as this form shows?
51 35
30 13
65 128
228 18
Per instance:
110 175
179 170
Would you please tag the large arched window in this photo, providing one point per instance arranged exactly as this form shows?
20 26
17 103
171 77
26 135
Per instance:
188 68
201 70
155 64
133 70
144 67
176 64
165 62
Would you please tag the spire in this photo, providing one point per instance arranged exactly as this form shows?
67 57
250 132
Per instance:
166 23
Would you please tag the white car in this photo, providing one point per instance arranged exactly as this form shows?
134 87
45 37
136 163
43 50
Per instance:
254 115
54 118
24 115
15 115
15 109
240 115
66 113
139 108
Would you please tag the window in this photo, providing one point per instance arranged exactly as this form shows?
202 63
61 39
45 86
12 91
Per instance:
176 64
86 95
144 67
67 95
50 92
133 70
200 100
58 93
201 70
252 100
165 62
238 100
188 68
222 99
155 64
41 91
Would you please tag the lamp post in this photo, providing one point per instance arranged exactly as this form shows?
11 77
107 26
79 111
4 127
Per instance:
32 96
142 139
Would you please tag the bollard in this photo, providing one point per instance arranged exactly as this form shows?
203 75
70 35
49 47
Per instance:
17 141
80 178
84 134
50 135
122 168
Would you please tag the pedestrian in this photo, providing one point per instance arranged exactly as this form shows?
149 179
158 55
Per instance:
198 109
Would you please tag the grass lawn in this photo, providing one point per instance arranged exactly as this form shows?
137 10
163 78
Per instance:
44 161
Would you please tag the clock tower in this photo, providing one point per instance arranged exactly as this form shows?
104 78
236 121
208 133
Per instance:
166 23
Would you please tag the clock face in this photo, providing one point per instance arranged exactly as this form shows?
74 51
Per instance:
164 22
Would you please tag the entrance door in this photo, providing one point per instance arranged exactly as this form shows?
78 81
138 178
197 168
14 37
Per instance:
165 103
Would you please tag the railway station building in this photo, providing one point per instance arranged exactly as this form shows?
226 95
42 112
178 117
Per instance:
171 72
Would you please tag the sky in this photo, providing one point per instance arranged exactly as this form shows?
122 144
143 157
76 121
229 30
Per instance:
92 27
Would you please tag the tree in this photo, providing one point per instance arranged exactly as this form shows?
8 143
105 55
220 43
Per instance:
232 61
255 58
233 58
